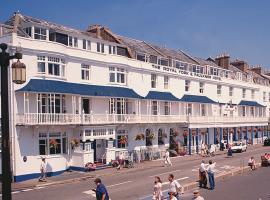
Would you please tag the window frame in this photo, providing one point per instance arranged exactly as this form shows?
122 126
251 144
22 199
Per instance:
187 85
201 87
166 82
85 72
153 81
39 34
49 136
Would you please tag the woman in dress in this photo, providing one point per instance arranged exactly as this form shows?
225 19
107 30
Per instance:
157 189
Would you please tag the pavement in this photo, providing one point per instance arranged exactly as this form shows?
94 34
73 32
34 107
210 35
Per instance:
135 183
252 185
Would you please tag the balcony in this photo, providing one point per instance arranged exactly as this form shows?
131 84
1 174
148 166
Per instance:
90 119
98 119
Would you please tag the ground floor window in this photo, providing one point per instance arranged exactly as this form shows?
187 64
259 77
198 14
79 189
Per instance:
122 139
160 137
148 138
52 143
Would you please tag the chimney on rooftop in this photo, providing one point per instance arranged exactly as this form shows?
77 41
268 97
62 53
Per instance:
257 70
95 29
240 64
223 61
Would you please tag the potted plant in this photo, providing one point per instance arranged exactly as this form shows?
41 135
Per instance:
139 136
53 143
123 140
74 142
151 136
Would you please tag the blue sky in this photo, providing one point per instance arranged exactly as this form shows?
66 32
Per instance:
201 28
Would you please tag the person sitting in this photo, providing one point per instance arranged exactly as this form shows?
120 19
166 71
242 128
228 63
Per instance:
251 163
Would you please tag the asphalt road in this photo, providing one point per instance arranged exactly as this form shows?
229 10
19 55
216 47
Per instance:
138 183
254 185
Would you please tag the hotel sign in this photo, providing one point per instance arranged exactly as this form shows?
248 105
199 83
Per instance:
185 73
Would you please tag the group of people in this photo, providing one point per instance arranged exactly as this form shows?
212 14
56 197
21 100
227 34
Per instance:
207 152
175 189
204 170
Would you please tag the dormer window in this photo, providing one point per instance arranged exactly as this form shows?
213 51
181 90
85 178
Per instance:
70 41
28 30
112 49
153 59
100 47
163 61
40 33
141 57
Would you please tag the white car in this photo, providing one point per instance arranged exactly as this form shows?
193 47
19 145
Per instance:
239 147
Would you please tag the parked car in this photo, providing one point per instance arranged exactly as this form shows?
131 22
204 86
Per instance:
239 147
266 142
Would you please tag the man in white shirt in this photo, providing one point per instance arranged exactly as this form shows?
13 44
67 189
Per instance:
174 186
211 171
167 159
202 175
43 170
197 195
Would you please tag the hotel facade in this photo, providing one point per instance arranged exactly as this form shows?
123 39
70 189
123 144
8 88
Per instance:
92 94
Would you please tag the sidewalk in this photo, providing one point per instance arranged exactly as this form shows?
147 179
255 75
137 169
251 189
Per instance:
74 176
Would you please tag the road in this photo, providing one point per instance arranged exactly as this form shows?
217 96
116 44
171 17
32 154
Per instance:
253 185
138 183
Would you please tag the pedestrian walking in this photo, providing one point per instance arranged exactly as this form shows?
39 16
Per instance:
158 195
197 196
203 149
251 163
101 191
222 146
174 187
202 175
42 177
167 159
211 173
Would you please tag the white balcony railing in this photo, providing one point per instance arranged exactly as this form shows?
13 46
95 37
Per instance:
62 119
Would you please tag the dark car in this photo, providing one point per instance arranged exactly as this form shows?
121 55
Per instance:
266 142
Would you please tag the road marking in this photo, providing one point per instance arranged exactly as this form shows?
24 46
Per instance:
26 190
90 192
119 184
39 187
165 173
15 192
166 183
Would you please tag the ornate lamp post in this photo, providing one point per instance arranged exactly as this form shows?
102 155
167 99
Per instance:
18 76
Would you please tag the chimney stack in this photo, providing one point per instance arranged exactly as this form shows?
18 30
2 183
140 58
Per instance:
95 29
240 64
223 61
257 70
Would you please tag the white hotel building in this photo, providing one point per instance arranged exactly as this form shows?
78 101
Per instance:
104 90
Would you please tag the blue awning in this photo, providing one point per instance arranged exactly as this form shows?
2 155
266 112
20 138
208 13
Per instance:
196 99
162 96
250 103
61 87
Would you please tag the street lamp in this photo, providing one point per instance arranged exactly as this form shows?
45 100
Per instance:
18 76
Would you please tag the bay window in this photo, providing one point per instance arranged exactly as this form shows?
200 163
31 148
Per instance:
117 75
53 143
52 66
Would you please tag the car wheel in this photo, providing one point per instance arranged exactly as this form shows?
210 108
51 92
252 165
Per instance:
241 151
